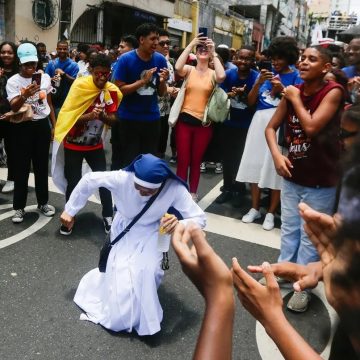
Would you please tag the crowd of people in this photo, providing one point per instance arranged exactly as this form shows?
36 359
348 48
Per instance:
294 119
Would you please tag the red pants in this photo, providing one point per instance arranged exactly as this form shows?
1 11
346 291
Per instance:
191 144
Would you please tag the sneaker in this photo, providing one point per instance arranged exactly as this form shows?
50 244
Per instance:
268 223
251 216
299 301
203 167
18 217
218 168
224 197
65 231
47 210
107 221
8 187
173 160
195 197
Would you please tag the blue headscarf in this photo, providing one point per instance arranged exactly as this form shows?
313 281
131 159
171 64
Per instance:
151 172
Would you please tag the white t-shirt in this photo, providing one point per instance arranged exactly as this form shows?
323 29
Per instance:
38 101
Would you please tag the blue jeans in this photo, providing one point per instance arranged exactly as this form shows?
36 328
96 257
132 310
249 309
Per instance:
295 244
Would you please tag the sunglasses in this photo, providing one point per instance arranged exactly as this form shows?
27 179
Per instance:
344 134
163 43
100 74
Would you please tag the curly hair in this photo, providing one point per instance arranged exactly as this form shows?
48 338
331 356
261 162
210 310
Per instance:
101 60
284 47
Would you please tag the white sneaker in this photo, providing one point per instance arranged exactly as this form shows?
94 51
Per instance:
8 187
252 215
268 223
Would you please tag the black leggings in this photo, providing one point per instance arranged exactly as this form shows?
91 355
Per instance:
30 142
72 170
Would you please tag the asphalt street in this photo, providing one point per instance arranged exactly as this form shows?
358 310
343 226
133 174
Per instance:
40 270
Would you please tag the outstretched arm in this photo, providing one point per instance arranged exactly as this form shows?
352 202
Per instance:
84 189
213 279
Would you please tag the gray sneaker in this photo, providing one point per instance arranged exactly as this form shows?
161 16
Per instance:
18 217
299 301
47 210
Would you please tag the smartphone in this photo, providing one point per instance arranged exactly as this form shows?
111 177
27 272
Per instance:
204 31
265 65
36 77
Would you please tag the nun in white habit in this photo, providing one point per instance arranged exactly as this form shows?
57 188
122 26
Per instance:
125 296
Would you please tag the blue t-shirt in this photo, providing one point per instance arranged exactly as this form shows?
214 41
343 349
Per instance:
143 103
266 100
240 113
350 71
71 68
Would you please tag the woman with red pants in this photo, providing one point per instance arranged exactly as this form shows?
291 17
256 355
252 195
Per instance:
192 138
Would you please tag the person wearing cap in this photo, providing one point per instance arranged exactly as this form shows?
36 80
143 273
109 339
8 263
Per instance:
125 296
31 139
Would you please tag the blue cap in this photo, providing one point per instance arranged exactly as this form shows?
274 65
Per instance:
27 53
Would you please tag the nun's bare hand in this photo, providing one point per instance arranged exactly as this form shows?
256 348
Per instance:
67 220
168 223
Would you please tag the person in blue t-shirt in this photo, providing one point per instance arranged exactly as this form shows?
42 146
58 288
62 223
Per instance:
141 75
63 72
353 58
256 166
238 83
353 70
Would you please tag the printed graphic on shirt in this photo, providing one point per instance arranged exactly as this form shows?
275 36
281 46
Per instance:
86 134
268 98
37 102
299 142
237 103
148 89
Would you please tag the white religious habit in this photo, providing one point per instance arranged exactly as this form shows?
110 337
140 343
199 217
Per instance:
125 296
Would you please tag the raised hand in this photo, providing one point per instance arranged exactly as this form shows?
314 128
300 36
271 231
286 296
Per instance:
200 263
262 302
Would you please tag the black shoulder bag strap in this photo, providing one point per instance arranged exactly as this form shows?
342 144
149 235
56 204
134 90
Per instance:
105 250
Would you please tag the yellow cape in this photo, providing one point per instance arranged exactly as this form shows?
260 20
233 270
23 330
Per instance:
81 96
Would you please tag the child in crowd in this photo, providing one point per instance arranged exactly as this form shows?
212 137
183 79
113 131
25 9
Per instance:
256 166
92 102
310 173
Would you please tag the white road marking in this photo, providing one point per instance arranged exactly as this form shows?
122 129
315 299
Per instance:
234 228
40 222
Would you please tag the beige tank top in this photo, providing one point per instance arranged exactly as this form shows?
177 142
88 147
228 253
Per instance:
199 87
